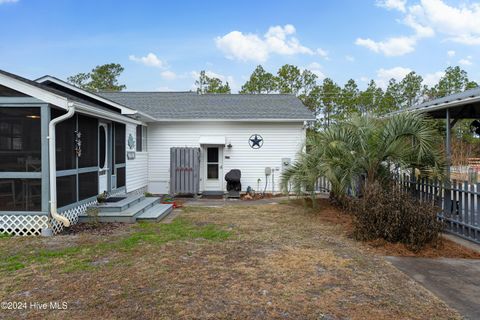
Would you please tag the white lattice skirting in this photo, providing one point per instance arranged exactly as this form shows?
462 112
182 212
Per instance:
23 225
32 225
72 215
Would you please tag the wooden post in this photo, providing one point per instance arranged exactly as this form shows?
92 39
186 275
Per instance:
447 205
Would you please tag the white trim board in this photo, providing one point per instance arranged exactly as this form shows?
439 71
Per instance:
59 101
33 91
123 109
64 84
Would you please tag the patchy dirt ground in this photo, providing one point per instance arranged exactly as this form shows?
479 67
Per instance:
248 262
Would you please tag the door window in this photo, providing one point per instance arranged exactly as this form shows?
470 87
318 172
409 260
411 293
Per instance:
212 163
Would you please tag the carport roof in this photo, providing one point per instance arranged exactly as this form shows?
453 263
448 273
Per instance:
464 105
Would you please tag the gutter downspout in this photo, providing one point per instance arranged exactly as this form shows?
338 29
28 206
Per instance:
53 164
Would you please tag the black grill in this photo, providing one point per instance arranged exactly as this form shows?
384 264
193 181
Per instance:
233 180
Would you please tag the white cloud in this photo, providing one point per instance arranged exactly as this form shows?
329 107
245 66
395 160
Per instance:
150 60
316 67
252 47
466 61
429 17
364 79
395 46
209 74
349 58
451 53
431 79
8 1
384 75
166 89
392 4
237 45
322 53
230 79
421 30
398 73
458 23
168 75
401 45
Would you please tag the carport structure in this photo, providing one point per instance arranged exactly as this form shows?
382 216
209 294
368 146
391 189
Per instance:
461 200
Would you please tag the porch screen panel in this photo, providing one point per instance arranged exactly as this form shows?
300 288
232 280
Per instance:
66 190
88 127
119 143
87 185
20 140
112 146
73 186
65 141
121 177
20 194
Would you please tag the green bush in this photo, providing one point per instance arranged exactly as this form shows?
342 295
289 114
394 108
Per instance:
394 216
5 235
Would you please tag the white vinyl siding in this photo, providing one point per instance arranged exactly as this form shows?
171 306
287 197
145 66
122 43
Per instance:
281 140
137 169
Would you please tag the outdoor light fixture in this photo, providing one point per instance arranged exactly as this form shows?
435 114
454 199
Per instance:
229 146
33 116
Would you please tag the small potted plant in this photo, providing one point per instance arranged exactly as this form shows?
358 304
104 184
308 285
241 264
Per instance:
102 197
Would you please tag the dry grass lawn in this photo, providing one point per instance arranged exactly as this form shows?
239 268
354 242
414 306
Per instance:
246 262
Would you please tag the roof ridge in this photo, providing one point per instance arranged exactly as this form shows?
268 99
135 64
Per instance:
205 94
146 92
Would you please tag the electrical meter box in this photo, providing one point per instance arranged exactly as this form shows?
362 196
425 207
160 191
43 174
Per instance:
268 171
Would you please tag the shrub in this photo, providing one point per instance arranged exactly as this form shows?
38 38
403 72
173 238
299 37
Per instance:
394 216
93 212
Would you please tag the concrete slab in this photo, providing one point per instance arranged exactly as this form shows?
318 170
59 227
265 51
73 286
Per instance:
455 281
214 203
466 243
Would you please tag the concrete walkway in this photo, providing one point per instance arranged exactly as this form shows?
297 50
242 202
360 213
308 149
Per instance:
455 281
231 202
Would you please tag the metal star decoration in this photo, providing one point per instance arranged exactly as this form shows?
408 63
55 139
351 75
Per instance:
256 141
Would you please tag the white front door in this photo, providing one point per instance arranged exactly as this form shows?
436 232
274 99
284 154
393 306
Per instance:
213 168
102 157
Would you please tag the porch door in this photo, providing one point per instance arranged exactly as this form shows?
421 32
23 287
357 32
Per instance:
103 169
213 168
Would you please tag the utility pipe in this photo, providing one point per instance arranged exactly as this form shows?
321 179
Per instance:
53 164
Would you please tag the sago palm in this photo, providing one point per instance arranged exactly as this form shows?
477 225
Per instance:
363 150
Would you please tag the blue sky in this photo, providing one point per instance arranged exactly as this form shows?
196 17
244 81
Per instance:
163 44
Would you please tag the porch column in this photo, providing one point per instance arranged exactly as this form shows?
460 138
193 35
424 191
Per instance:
447 202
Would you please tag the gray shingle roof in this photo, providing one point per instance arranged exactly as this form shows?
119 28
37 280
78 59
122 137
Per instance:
190 105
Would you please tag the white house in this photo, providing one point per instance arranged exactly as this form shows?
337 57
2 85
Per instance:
61 146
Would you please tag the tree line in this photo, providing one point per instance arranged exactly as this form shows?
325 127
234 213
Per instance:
329 101
332 102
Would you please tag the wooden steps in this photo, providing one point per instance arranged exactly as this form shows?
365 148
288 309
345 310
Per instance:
129 210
